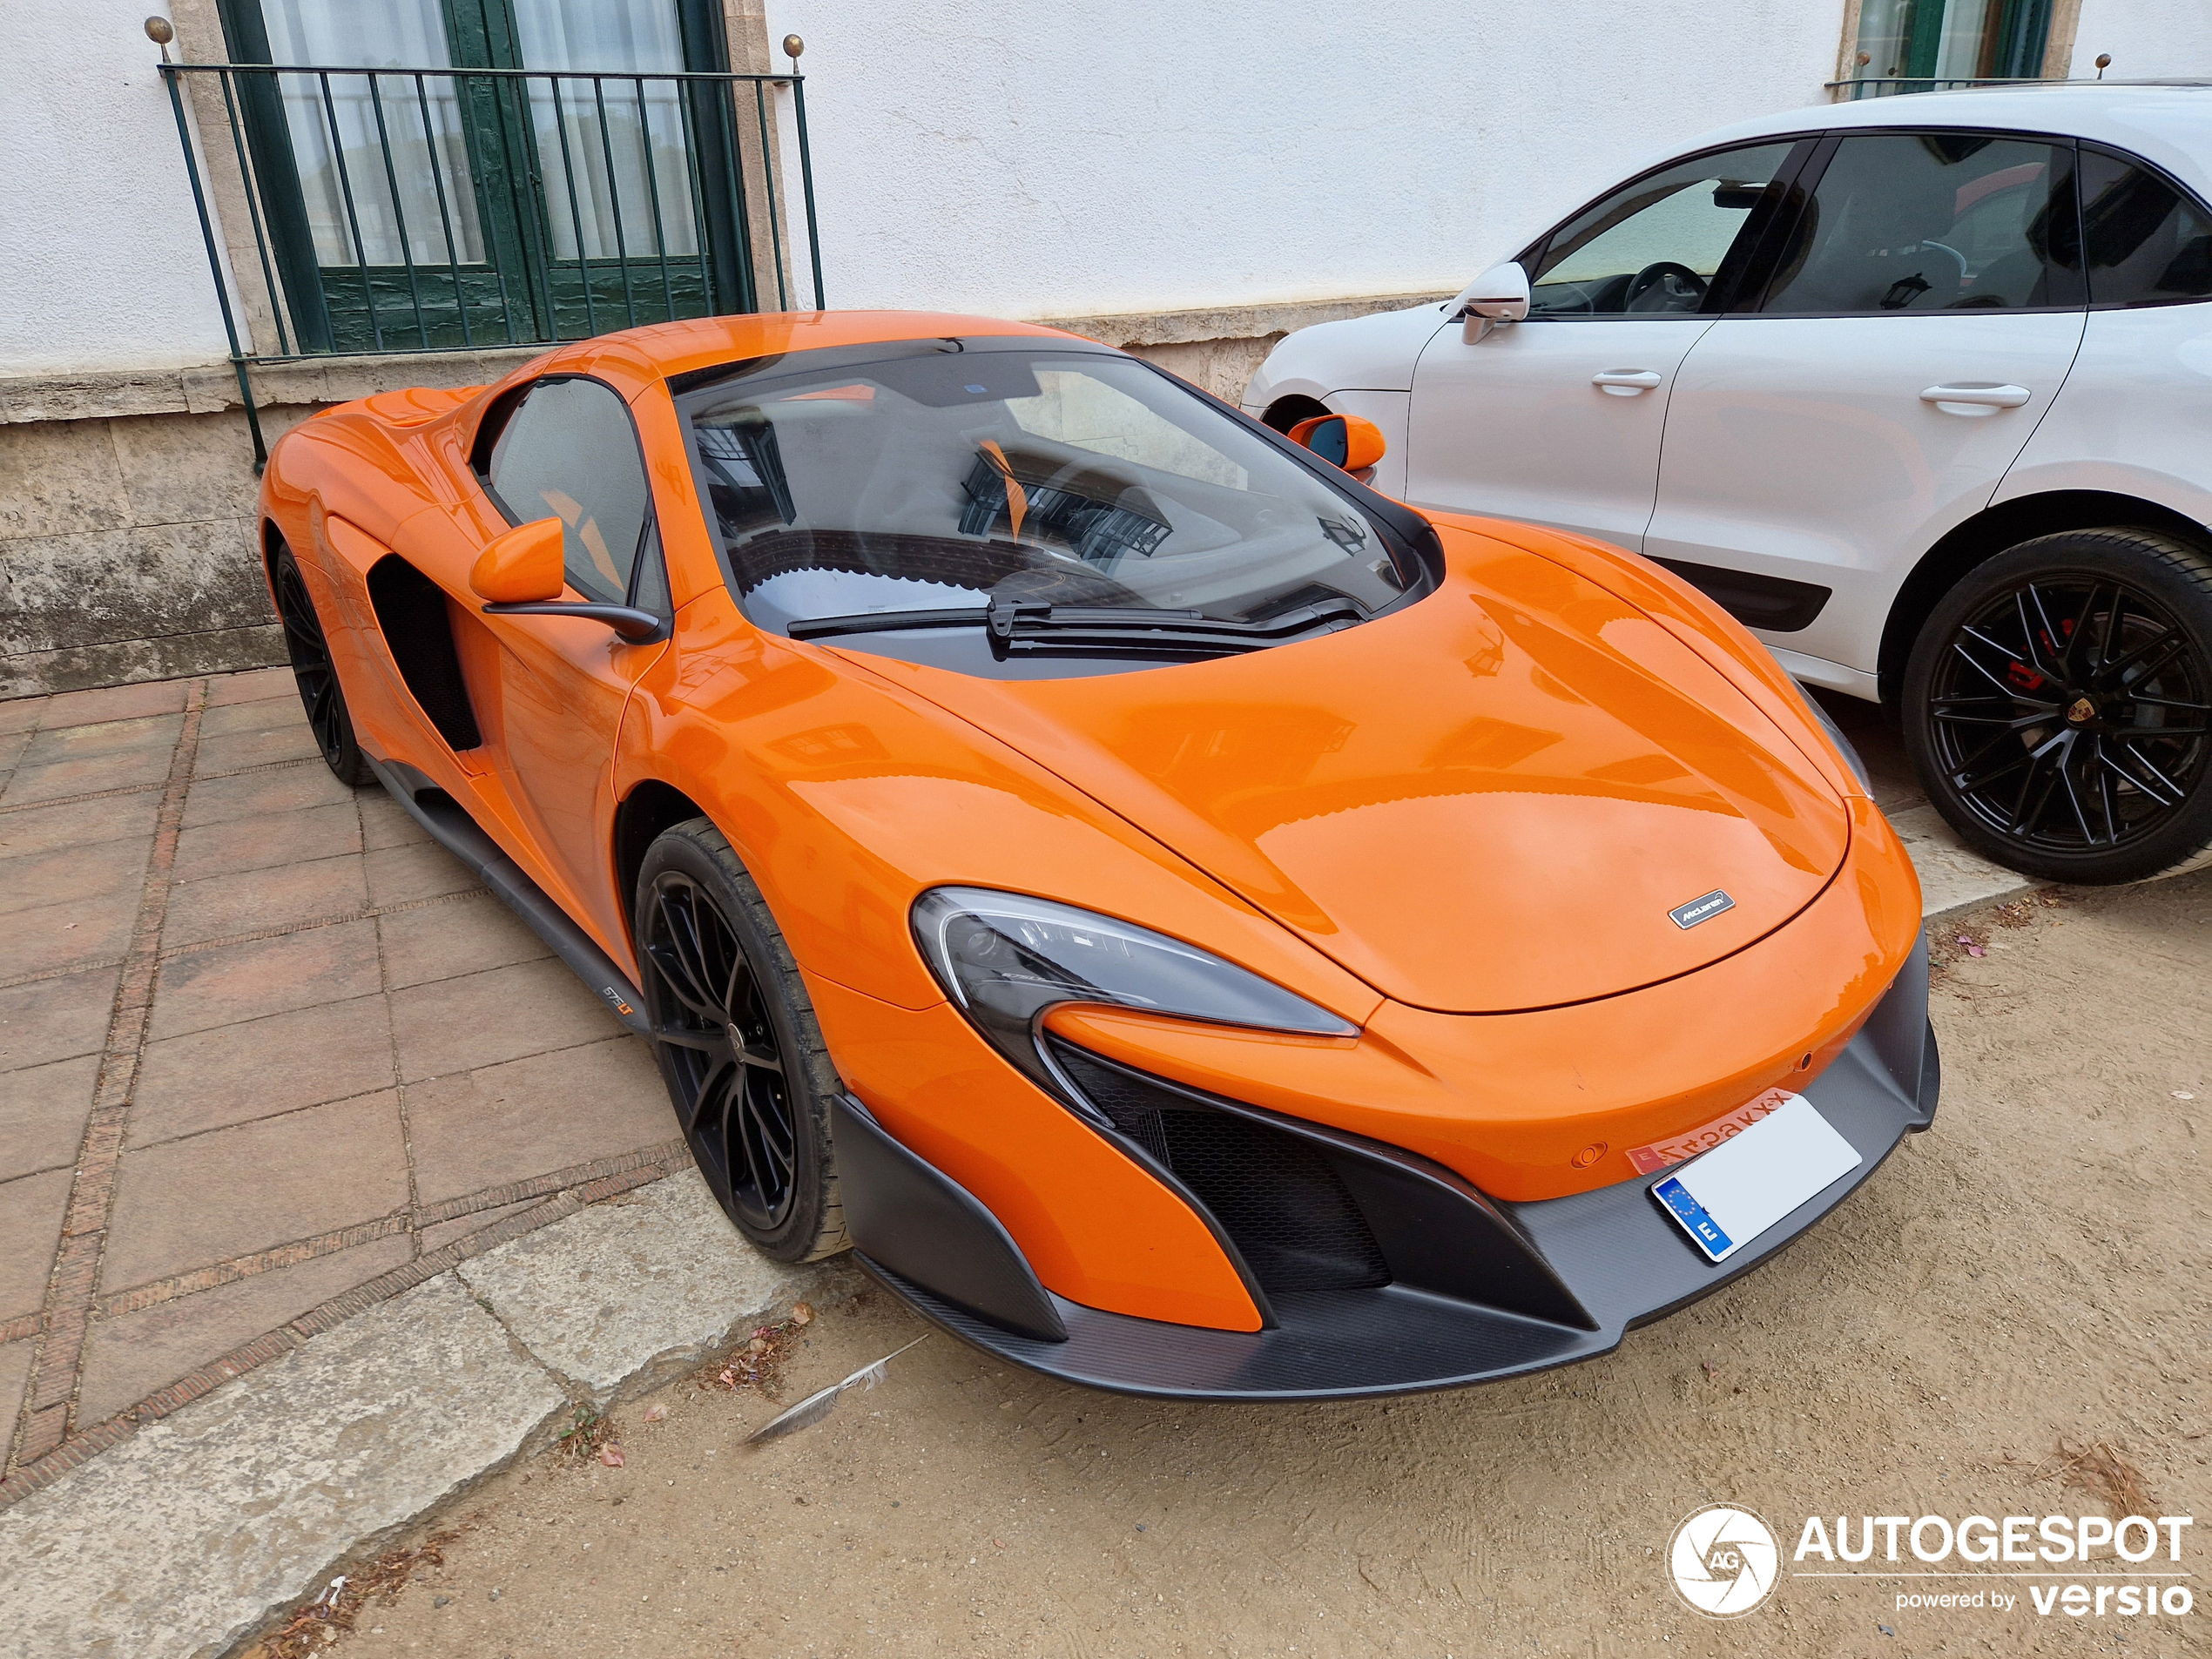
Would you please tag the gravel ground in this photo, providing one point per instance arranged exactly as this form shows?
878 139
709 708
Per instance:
2032 1273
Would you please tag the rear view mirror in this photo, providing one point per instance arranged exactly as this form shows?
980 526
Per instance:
521 565
1345 440
1498 295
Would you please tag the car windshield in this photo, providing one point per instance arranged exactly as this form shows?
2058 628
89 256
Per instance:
948 478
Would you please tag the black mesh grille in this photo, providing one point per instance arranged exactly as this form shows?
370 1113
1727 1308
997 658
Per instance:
1271 1192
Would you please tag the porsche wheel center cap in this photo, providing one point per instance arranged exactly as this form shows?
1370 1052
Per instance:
2081 711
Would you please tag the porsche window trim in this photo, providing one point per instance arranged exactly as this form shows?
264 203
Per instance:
1751 277
2165 175
486 439
1754 298
1408 538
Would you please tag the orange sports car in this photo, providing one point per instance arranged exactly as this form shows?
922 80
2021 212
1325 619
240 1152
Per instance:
1192 925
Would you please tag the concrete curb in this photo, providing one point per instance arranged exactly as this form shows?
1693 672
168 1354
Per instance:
186 1537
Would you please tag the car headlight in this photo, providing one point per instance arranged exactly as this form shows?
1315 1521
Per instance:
1836 734
1004 959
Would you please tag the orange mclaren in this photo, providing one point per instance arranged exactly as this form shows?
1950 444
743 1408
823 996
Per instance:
1192 925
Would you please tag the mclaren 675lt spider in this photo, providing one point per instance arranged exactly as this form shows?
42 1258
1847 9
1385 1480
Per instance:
1193 926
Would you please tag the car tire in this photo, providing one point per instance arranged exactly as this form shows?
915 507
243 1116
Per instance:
2058 701
739 1045
315 675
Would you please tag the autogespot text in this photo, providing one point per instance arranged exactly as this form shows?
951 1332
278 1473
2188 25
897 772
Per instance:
2147 1586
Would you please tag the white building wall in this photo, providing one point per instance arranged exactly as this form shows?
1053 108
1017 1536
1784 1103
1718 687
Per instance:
2148 39
101 262
1006 157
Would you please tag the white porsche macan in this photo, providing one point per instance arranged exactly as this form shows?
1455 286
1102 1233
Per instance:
1919 388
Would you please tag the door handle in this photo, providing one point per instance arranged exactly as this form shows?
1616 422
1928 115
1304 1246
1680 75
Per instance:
1624 382
1976 397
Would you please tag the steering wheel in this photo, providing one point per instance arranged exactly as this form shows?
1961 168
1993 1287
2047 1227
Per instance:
1682 283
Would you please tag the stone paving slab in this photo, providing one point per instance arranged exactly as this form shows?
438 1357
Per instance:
188 1535
262 1044
629 1289
183 1537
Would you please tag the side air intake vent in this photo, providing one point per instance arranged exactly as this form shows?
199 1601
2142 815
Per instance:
411 610
1272 1193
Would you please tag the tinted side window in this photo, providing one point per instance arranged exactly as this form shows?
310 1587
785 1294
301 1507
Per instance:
1932 221
569 451
2148 244
1663 244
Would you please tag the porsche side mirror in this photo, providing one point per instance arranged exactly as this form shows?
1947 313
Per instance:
1498 295
520 573
1345 440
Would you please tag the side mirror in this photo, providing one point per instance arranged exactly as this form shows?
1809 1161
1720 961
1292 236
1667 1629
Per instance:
520 573
1346 441
522 565
1498 295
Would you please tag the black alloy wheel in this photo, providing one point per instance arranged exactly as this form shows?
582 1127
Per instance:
315 675
2059 705
738 1044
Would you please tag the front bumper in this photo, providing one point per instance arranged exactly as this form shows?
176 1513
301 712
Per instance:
1478 1289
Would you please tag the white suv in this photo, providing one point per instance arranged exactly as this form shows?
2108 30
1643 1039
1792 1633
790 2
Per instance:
1919 388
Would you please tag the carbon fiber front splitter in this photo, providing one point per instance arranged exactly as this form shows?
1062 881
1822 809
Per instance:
1624 1261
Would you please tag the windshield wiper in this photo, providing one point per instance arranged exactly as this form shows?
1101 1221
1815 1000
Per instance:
1103 630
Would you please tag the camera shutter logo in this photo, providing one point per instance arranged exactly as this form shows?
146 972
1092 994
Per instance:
1723 1560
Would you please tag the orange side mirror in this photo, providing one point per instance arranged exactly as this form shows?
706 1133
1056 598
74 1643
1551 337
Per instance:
521 566
1345 440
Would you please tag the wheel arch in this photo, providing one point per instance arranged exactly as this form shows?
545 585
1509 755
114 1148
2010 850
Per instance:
640 817
1286 411
1989 533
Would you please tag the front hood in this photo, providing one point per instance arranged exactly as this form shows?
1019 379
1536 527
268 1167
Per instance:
1490 801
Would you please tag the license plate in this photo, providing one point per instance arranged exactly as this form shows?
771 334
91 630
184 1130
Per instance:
1727 1197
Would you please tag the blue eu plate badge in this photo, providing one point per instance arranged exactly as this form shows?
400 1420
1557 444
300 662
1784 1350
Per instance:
1735 1192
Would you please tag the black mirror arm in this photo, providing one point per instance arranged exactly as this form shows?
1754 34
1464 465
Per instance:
637 627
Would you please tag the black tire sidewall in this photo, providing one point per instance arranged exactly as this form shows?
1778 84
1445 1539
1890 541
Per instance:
348 765
698 851
2163 567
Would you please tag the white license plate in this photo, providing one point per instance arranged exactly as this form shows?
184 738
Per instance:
1727 1197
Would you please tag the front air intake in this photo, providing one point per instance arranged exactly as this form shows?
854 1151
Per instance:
1287 1211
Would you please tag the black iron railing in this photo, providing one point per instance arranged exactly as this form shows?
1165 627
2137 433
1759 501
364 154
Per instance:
432 210
1895 85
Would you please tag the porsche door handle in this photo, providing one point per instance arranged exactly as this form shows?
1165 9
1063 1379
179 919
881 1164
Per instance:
1624 382
1976 398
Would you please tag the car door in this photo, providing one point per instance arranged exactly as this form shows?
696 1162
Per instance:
568 449
1557 419
1923 312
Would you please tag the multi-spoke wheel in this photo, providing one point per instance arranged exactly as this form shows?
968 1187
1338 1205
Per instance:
738 1044
2059 705
310 668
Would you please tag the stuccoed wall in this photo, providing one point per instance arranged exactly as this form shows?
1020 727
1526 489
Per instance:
1003 157
2148 39
101 264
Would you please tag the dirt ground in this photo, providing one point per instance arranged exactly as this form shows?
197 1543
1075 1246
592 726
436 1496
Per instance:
2034 1270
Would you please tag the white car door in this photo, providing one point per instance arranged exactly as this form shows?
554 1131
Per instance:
1922 312
1557 420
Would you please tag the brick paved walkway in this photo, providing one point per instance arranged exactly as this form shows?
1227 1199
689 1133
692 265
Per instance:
267 1054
